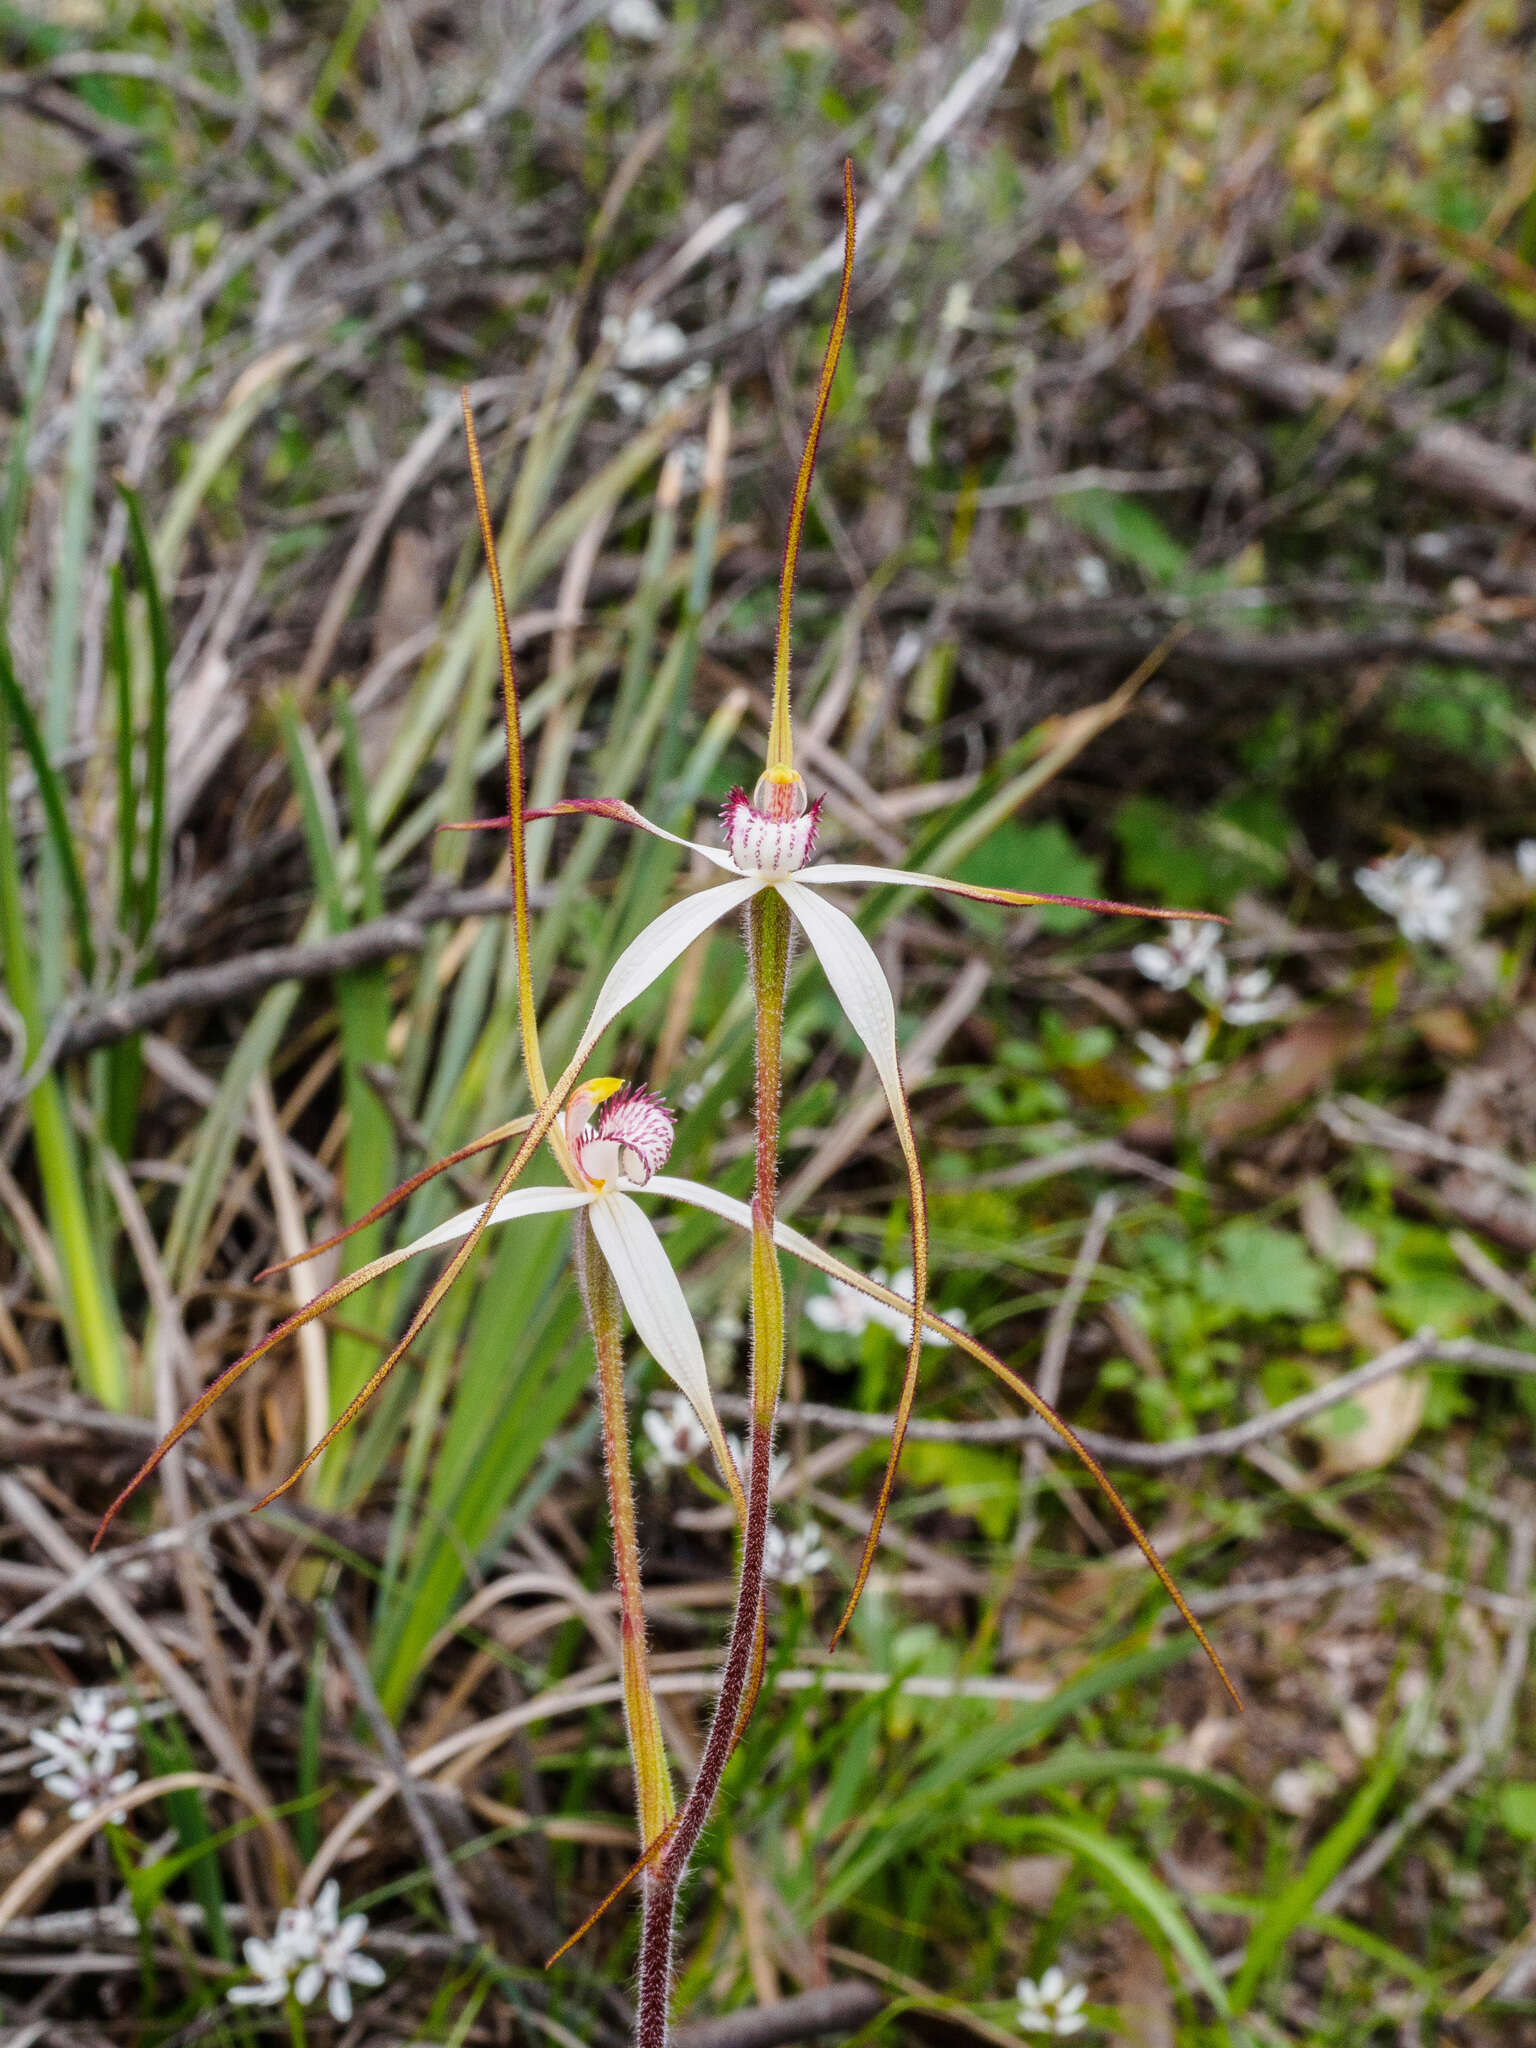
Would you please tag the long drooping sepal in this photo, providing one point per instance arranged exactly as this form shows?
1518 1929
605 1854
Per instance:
396 1196
653 1295
858 981
527 1010
331 1298
653 1776
768 940
834 873
733 1211
781 747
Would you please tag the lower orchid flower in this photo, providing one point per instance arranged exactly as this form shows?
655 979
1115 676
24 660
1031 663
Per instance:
617 1137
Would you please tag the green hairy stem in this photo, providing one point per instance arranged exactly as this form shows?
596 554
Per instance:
768 941
653 1778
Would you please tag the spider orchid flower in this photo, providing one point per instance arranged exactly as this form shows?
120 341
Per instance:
767 859
616 1138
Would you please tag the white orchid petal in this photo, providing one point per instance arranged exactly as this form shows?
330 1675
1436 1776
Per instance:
730 1210
653 1295
518 1202
647 957
833 873
858 981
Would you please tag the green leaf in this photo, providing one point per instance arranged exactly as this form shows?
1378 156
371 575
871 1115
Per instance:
980 1483
1259 1271
1517 1811
1460 711
1204 859
147 899
1129 529
1423 1282
55 816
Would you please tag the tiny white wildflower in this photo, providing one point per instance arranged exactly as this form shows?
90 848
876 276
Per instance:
791 1556
337 1963
1412 888
1093 575
92 1718
676 1434
842 1311
1167 1063
1525 860
273 1964
778 1464
1053 2006
638 21
907 652
1188 950
1251 998
83 1751
899 1325
642 342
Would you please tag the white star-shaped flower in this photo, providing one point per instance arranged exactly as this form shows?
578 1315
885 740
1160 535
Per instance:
1053 2006
792 1556
81 1755
1174 962
1413 889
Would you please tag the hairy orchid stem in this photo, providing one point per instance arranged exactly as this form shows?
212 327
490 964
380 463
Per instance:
653 1777
768 941
781 746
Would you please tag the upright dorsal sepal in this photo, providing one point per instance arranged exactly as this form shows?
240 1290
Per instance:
781 745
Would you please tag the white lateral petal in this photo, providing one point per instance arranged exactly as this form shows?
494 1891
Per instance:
831 873
517 1202
858 981
730 1210
647 957
653 1295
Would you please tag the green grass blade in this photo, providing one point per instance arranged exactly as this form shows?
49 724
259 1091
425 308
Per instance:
58 705
147 899
1145 1897
43 339
50 792
88 1311
1296 1901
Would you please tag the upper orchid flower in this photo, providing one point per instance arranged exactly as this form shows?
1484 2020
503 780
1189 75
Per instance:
770 843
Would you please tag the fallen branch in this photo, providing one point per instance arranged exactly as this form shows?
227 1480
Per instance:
830 2009
1424 1349
105 1020
1439 455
